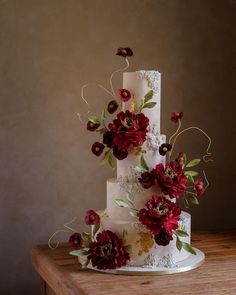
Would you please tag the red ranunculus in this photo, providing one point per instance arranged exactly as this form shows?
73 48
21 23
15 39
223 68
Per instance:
171 179
118 154
160 214
112 107
92 126
91 217
97 148
176 116
164 148
124 51
125 95
148 179
163 238
199 187
76 240
108 252
130 130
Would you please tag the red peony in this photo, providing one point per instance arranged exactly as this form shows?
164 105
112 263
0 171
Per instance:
160 214
199 187
112 107
125 95
108 252
92 126
164 148
97 148
124 51
108 137
130 130
163 238
91 217
148 179
176 116
76 240
118 154
171 179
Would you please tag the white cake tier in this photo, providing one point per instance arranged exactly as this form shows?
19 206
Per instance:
125 168
144 249
139 83
118 190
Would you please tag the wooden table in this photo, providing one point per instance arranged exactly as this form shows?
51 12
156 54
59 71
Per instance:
60 273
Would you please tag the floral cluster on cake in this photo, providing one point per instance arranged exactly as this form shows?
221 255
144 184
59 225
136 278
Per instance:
122 133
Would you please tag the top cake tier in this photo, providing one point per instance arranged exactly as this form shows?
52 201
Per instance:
140 83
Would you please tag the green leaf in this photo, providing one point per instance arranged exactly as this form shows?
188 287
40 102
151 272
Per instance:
96 228
94 119
149 105
186 204
122 203
179 244
112 161
101 130
148 96
85 264
133 213
188 248
128 248
190 173
193 163
194 199
190 178
125 235
128 196
80 252
181 233
143 164
103 115
105 158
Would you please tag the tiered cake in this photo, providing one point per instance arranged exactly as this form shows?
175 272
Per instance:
144 250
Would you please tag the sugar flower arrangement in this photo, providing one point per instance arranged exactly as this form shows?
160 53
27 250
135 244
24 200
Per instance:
123 132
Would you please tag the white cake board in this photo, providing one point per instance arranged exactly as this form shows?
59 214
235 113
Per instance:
192 262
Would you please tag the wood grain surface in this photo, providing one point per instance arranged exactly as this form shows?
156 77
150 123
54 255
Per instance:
217 275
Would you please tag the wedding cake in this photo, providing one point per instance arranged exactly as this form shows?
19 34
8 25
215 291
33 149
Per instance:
143 227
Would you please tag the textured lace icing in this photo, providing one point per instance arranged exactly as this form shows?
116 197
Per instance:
153 261
153 79
154 139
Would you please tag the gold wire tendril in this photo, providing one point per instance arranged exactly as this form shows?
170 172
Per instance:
68 230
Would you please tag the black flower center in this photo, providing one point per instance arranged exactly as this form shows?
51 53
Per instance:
106 249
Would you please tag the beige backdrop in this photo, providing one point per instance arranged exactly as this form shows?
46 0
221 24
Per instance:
48 49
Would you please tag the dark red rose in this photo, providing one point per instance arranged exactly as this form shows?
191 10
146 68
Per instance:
181 158
118 154
159 214
199 187
130 130
148 179
171 179
108 252
163 238
92 126
112 107
91 217
108 137
97 148
124 51
76 240
176 116
164 148
125 95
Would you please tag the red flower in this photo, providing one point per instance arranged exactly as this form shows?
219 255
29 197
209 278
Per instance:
125 95
163 238
160 214
92 126
112 107
164 148
171 179
130 130
108 137
199 187
124 51
76 240
108 252
176 116
118 154
148 179
97 148
91 217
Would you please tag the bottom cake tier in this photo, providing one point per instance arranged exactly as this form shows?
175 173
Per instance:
145 252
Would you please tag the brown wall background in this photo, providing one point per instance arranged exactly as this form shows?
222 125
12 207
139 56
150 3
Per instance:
48 49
